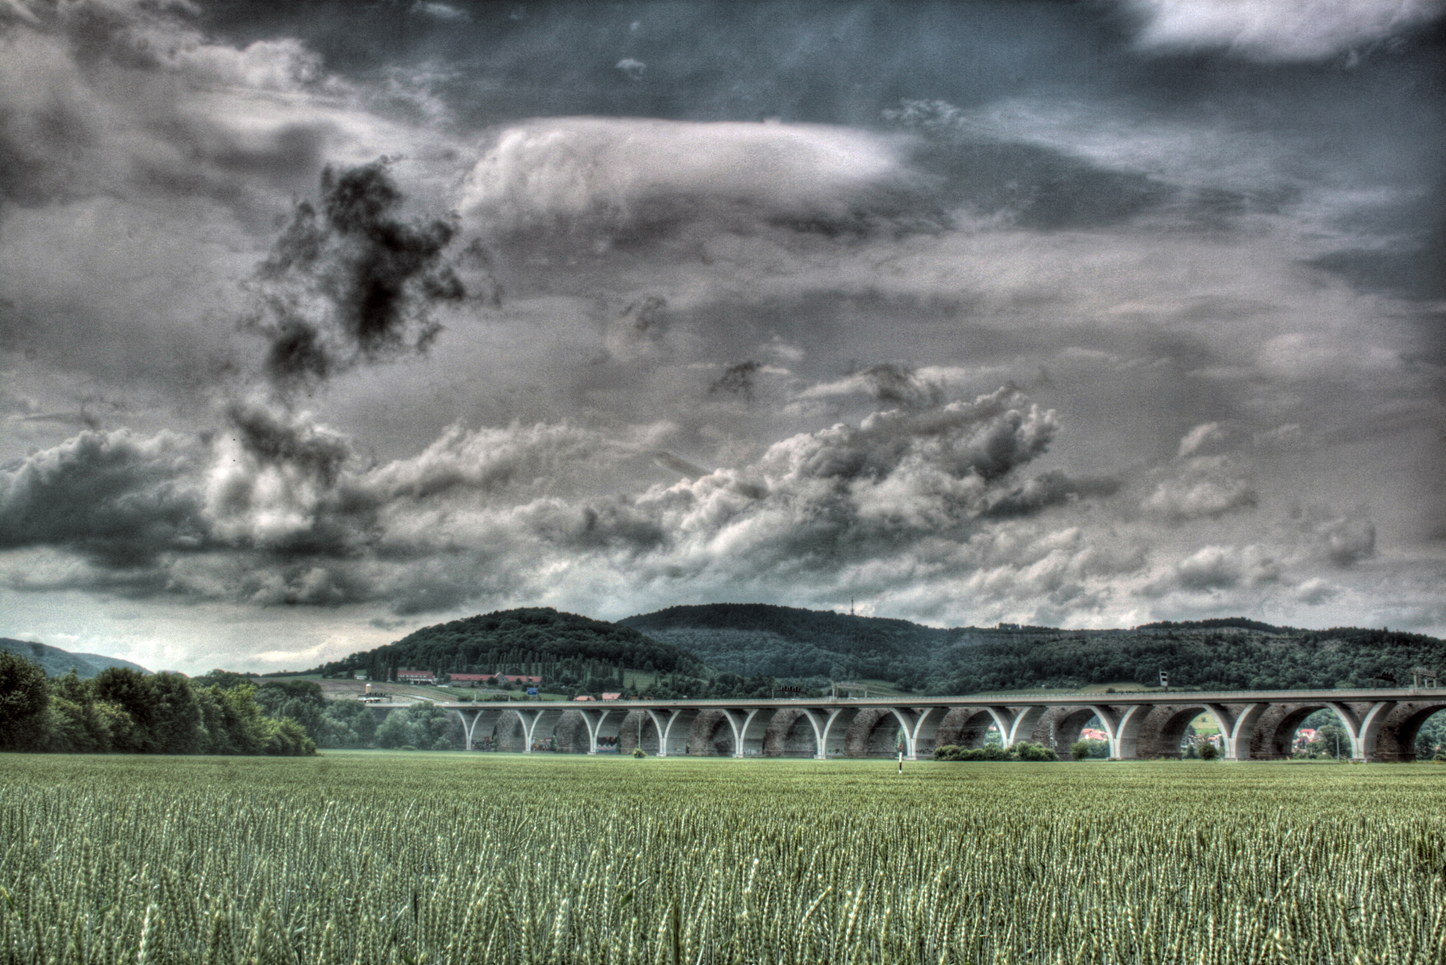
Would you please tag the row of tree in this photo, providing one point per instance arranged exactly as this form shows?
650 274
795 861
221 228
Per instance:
123 711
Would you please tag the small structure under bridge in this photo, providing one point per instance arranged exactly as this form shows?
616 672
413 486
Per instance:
1381 723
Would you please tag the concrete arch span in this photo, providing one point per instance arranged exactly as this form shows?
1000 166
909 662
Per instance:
1395 736
793 732
969 726
875 733
1152 732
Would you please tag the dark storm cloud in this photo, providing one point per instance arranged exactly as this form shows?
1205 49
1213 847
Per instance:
115 497
352 282
737 379
1048 490
96 97
275 441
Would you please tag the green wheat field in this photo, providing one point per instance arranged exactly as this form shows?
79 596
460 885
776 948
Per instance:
418 857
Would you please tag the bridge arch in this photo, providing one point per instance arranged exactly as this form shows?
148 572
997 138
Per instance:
875 732
712 735
1157 731
793 732
634 729
969 727
1391 735
1068 724
1275 737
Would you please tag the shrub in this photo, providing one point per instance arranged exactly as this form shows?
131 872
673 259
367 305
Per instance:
1208 751
1080 750
1035 752
639 752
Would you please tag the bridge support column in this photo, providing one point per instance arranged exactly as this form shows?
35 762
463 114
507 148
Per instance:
835 729
922 732
471 717
1365 731
595 719
1013 727
1127 738
673 727
747 726
1242 732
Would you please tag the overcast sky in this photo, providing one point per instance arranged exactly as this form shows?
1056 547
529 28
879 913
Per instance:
322 322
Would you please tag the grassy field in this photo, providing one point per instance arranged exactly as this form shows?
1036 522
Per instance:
363 857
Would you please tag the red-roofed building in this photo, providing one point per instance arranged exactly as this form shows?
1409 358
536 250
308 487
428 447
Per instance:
611 696
469 679
416 677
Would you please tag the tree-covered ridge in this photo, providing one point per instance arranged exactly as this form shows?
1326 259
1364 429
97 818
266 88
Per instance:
1212 659
792 643
57 662
1216 623
533 640
1231 653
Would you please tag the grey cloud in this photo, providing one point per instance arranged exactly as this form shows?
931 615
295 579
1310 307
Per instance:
677 464
1211 568
97 98
1219 568
352 282
986 438
1048 490
1276 30
737 379
885 383
585 180
277 441
1343 541
1027 185
1200 487
116 497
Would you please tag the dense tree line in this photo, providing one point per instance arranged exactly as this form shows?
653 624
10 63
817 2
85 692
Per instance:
1198 658
124 711
1232 653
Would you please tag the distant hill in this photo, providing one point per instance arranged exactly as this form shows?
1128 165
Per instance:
58 662
1233 653
535 640
785 642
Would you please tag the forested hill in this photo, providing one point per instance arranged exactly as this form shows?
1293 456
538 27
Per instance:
784 642
539 640
1235 653
57 662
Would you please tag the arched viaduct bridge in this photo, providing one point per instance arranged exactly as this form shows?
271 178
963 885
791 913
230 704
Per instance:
1381 723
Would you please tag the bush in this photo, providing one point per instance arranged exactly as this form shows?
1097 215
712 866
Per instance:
639 752
1208 751
1034 752
1080 750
